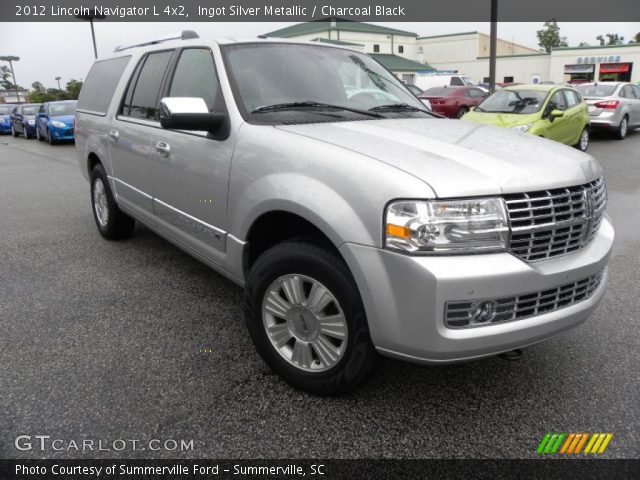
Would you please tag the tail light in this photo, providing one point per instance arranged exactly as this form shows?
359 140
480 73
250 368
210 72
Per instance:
607 104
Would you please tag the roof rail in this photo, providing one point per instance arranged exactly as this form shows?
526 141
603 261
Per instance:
184 35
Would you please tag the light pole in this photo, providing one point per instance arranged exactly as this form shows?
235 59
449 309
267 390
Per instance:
59 89
91 16
11 59
493 46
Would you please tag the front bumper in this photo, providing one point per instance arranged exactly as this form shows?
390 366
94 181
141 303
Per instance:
5 127
59 133
404 298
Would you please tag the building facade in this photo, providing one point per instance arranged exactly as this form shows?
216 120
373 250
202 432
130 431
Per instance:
407 55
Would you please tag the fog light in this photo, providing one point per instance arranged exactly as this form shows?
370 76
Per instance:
484 312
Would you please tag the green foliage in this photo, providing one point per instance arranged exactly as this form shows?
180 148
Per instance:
6 79
612 39
636 39
584 44
549 37
41 94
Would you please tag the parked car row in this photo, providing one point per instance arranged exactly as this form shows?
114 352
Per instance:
50 121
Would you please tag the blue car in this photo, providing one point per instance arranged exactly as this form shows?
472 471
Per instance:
6 110
56 121
23 119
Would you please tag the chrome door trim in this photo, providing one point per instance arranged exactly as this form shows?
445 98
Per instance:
202 231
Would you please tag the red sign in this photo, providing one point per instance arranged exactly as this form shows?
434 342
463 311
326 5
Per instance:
614 67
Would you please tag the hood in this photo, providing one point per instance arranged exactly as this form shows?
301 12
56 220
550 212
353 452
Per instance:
458 158
505 120
66 119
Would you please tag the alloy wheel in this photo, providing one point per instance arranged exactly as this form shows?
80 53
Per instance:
100 204
305 323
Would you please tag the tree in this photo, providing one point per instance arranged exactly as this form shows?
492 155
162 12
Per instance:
612 39
584 44
73 88
549 37
6 79
636 39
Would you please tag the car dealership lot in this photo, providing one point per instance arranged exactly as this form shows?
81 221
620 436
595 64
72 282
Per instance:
137 340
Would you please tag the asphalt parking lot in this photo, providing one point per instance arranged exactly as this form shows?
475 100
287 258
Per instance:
137 340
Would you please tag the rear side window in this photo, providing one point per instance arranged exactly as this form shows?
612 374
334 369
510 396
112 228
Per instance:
457 82
101 83
195 76
143 92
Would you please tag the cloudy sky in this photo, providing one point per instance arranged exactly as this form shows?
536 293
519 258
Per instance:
48 50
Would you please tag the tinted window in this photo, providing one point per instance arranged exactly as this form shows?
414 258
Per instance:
376 48
6 110
195 76
144 101
98 90
31 109
557 102
570 99
457 81
627 92
400 48
596 90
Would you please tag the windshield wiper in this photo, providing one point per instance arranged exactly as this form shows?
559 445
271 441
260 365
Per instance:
397 106
312 104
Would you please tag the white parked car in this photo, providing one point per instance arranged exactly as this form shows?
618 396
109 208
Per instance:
426 81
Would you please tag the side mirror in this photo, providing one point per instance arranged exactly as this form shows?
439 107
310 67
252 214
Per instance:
190 113
555 114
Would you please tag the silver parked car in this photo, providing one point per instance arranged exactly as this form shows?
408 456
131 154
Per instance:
356 223
614 106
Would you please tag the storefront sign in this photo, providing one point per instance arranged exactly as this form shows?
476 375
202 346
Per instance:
600 59
579 68
614 68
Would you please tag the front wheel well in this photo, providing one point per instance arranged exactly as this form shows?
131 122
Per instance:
276 227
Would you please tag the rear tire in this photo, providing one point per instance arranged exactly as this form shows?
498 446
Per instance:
316 337
112 223
623 128
462 112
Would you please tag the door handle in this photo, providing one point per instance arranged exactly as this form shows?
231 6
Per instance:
163 149
114 135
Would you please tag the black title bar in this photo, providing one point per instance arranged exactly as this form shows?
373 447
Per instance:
306 10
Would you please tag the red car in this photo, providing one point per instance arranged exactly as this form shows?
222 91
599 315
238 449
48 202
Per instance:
453 102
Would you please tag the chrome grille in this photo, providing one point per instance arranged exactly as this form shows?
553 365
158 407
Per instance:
460 314
549 223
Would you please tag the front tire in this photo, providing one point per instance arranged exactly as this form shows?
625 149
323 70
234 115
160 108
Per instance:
38 136
13 131
583 141
27 135
623 128
50 138
305 316
112 223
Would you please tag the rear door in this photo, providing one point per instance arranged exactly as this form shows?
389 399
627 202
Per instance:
191 169
130 137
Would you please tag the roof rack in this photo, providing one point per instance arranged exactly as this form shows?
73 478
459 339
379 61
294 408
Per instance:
184 35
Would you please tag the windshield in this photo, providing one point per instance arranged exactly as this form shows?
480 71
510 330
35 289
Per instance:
596 90
56 110
514 101
6 110
270 74
30 109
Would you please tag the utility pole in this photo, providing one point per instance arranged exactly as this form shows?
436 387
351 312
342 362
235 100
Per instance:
11 59
91 16
493 46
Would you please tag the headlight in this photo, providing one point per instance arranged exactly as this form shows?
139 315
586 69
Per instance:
1 121
522 128
58 124
447 226
31 122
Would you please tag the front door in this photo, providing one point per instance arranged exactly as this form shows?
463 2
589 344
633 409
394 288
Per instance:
191 169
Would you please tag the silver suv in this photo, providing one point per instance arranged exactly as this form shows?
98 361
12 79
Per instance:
356 221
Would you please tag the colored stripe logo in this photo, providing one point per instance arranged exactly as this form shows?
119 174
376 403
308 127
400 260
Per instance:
573 443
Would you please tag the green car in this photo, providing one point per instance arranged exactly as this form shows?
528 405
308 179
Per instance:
551 111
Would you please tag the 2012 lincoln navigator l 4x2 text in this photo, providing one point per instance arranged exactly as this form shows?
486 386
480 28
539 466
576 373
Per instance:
357 221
